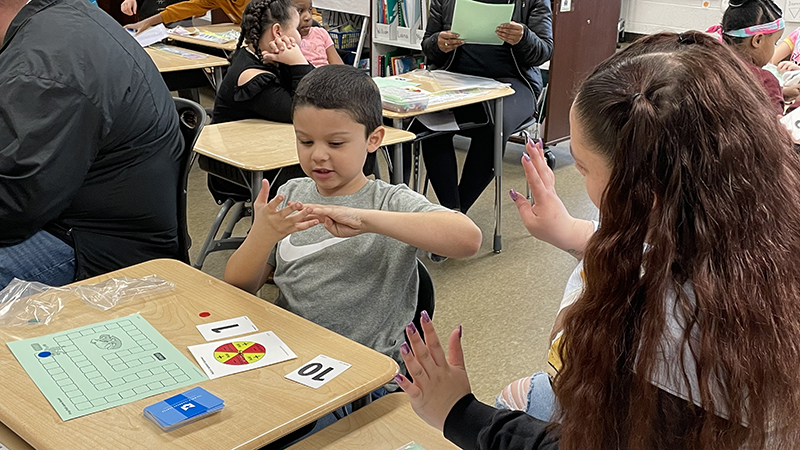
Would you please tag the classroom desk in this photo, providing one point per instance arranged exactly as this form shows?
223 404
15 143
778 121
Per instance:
249 148
218 28
260 405
168 63
496 97
385 424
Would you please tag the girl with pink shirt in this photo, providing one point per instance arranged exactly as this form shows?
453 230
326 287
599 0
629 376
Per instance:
316 44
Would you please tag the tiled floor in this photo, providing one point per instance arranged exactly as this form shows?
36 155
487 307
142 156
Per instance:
506 302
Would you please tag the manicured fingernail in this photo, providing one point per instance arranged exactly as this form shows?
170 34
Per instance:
530 141
513 194
425 317
404 348
541 144
527 158
411 329
459 331
399 378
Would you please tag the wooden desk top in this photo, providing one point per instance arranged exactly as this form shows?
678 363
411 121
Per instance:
218 28
171 62
386 424
431 85
260 405
256 144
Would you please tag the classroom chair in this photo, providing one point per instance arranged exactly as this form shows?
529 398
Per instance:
192 118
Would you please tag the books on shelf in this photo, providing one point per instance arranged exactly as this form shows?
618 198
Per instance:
401 21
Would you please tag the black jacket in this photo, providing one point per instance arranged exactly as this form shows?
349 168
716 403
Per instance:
89 139
533 50
473 425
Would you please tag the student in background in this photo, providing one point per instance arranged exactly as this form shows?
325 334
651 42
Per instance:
684 332
752 28
787 49
316 43
185 10
90 146
264 73
344 247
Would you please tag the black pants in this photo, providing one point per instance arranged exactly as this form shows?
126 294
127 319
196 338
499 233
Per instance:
440 157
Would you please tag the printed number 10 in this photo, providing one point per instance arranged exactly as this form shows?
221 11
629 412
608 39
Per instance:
313 368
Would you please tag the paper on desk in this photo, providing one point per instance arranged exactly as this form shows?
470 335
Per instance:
439 121
235 355
179 51
383 82
151 35
474 31
792 123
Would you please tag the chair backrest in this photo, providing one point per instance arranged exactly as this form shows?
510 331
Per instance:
192 118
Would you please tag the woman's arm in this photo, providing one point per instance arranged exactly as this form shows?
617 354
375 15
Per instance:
536 45
430 45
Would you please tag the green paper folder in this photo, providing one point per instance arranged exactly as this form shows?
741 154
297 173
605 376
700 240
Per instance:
475 22
103 365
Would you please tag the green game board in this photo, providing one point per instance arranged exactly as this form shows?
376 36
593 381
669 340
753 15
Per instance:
100 366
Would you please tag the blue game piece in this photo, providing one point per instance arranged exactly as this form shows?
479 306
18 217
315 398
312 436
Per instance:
44 354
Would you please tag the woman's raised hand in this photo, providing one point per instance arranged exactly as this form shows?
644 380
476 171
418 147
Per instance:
448 41
547 218
438 382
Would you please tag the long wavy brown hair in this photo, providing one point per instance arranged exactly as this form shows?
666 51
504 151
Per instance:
703 174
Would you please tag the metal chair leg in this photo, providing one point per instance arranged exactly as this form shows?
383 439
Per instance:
236 215
223 211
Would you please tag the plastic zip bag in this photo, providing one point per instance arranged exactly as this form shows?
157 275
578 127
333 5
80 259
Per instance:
32 303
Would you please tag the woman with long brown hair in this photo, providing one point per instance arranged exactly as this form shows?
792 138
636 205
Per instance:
687 331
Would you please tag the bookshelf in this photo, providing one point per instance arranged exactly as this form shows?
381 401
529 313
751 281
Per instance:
388 34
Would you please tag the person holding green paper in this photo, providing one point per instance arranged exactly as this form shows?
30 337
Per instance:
526 42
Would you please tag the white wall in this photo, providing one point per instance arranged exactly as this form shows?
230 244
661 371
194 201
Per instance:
650 16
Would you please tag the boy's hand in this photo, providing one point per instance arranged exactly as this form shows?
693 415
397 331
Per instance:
270 221
340 221
128 7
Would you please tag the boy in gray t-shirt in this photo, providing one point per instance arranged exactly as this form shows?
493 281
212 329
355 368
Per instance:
356 273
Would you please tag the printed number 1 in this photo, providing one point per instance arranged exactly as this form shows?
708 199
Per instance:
311 369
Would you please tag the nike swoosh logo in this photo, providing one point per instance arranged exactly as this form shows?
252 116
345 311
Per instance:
290 252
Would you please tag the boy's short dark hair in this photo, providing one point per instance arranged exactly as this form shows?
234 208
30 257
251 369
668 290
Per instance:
343 87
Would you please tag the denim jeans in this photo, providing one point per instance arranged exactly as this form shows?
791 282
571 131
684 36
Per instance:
42 257
541 401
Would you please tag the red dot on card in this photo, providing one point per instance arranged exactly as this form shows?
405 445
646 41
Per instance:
205 314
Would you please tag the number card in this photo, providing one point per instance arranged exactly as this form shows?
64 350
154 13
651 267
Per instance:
318 371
